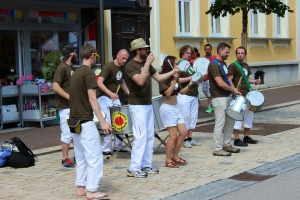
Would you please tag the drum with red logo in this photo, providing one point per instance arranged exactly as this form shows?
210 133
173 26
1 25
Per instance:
120 119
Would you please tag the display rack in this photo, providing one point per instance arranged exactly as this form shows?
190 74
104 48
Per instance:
9 117
31 90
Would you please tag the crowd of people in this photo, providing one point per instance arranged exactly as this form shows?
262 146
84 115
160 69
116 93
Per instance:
79 96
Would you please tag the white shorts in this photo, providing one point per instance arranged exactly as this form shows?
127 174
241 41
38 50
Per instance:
66 136
170 115
248 121
205 88
188 107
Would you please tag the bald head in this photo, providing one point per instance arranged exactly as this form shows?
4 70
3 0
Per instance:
122 57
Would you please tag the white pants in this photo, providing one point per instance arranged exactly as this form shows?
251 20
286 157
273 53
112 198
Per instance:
142 117
188 107
66 136
89 159
223 123
248 121
105 103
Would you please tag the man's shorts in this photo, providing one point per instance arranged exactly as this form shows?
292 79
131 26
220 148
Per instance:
205 88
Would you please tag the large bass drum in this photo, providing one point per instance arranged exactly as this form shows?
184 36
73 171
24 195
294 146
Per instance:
121 120
238 107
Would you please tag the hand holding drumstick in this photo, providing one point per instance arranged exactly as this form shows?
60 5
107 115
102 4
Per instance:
236 90
117 96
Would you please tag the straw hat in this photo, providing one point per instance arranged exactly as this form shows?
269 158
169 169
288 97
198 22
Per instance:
138 44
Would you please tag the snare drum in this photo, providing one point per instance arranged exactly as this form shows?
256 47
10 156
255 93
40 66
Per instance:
156 103
185 65
121 120
238 107
256 99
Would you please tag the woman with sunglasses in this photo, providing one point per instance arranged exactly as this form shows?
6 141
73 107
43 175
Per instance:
170 114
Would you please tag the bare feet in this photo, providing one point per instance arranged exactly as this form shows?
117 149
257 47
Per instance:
95 195
81 191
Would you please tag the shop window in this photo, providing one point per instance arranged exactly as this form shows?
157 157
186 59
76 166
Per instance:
184 17
45 49
11 15
52 17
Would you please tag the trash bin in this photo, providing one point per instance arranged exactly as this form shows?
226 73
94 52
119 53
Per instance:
259 74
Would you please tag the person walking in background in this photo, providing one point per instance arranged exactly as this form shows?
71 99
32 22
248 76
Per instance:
87 146
205 83
188 102
235 71
194 57
138 73
220 90
170 114
108 82
61 81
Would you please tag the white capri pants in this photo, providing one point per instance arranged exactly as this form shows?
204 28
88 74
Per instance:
223 123
66 136
170 115
248 121
89 159
142 117
188 106
105 103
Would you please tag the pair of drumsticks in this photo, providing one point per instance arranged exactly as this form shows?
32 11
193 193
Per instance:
238 85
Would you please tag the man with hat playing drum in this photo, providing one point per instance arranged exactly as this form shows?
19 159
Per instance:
108 82
138 73
235 71
220 90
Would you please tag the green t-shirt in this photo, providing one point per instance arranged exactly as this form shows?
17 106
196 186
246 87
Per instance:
235 71
112 75
82 80
164 85
63 75
215 71
138 95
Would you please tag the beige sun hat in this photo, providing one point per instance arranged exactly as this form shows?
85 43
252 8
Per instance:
138 44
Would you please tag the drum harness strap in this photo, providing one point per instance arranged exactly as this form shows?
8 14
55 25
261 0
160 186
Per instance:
221 66
244 75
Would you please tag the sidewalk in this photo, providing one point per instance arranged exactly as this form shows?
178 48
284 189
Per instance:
48 179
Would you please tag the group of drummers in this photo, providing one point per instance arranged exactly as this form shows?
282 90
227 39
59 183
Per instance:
178 86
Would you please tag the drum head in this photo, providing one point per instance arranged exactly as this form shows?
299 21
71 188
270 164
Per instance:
196 77
256 98
201 65
184 65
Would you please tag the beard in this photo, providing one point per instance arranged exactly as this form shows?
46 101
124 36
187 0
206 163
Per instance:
143 56
74 60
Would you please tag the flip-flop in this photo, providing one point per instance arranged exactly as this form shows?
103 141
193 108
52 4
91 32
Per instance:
100 196
171 164
179 161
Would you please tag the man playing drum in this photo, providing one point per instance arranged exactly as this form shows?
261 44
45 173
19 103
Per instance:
188 102
108 82
138 73
220 91
235 71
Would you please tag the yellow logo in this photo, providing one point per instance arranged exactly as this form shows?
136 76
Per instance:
119 121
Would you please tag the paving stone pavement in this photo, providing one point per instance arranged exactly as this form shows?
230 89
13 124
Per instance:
49 180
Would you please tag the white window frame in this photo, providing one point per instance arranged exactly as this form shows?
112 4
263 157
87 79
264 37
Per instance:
283 22
259 20
182 18
213 23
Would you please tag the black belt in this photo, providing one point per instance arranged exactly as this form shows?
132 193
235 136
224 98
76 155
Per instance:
84 121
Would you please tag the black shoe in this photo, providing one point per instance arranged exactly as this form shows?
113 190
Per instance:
121 150
249 140
106 153
239 142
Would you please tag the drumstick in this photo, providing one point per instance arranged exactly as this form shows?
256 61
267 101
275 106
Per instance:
170 64
118 88
238 85
257 84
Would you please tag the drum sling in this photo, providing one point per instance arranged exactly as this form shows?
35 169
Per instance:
225 75
244 75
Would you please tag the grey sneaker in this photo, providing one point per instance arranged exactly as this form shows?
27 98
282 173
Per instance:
231 149
150 170
221 153
194 143
136 174
187 144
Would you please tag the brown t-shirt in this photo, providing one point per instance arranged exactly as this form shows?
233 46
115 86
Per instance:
82 80
164 85
215 71
235 71
112 75
193 90
138 95
62 75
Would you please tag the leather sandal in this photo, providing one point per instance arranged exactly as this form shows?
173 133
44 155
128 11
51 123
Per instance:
179 161
171 164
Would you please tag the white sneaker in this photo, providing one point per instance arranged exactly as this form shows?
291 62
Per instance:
187 144
194 143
